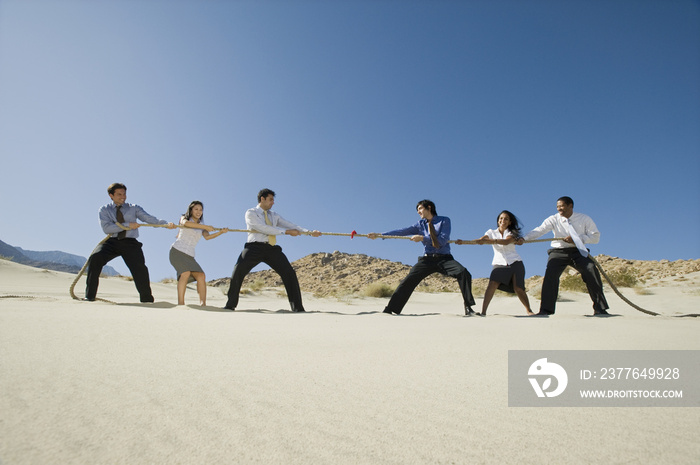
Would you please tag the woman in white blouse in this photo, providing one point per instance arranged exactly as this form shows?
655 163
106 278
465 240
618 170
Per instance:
182 251
508 273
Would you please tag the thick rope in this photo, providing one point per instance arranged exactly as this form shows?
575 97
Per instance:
627 301
380 236
82 270
355 234
350 235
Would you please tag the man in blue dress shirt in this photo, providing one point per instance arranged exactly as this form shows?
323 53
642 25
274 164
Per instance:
434 232
121 243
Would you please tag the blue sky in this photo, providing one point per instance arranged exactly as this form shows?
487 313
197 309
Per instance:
352 111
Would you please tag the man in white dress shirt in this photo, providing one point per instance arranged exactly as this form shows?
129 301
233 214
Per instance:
576 229
262 247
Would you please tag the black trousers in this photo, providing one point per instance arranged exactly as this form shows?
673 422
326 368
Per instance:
558 260
131 251
443 264
255 253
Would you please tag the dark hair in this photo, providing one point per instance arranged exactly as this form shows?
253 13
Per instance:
427 204
264 193
514 223
114 186
188 215
566 200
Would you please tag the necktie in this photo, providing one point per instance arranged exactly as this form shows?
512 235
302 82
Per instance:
433 234
271 238
577 239
120 220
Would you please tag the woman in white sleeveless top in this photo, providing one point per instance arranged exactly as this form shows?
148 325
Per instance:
182 251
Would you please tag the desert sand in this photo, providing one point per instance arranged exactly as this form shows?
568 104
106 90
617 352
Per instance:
94 382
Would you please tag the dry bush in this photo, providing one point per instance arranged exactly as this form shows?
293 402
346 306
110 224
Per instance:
626 277
573 283
378 290
257 285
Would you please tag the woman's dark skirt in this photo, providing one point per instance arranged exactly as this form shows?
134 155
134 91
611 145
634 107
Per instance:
504 275
183 262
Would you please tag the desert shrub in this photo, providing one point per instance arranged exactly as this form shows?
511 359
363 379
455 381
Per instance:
256 285
378 290
628 277
573 283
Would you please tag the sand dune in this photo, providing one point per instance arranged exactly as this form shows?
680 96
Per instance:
93 382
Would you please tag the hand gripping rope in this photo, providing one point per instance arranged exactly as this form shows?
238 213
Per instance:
356 234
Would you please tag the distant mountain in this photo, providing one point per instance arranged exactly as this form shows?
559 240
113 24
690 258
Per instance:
53 260
54 256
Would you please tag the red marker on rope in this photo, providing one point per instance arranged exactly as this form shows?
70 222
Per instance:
352 234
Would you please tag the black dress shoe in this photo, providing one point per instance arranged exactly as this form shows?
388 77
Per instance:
297 308
544 313
600 313
391 312
233 309
468 311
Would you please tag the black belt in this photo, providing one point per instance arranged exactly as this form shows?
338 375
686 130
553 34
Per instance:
258 244
564 249
437 255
